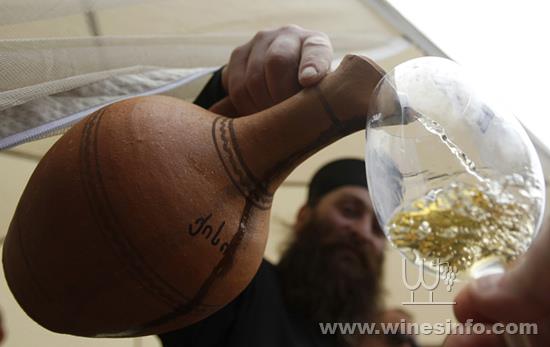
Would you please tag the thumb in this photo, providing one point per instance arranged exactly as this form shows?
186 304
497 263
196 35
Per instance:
315 60
497 298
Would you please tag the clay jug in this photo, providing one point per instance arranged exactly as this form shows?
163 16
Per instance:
152 213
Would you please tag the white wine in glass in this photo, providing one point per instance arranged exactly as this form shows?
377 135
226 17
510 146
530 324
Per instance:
453 176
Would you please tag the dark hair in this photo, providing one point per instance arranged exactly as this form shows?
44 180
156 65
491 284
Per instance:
338 173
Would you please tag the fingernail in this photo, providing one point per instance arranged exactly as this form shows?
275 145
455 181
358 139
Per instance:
309 72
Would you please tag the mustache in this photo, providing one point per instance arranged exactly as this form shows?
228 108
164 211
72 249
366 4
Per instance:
331 275
327 244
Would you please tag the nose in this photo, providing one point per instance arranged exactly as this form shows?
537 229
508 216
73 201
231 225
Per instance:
367 228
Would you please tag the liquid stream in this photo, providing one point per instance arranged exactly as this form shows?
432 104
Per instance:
463 224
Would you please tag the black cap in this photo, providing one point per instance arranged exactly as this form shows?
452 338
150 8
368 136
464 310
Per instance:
342 172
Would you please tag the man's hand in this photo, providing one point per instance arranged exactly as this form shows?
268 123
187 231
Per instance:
275 65
520 295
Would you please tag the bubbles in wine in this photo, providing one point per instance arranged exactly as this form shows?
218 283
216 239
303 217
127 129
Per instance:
462 224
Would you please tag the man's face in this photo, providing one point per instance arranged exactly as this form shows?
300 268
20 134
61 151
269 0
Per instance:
349 210
331 270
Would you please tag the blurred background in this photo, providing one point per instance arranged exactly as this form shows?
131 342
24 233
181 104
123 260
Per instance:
62 59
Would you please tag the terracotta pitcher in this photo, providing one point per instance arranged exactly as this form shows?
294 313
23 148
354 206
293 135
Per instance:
152 213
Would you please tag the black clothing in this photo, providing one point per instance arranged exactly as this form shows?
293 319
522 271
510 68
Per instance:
212 92
258 317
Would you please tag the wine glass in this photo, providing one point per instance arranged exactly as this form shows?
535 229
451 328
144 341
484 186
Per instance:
453 176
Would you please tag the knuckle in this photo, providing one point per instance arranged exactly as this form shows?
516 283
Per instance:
317 40
293 28
278 59
236 52
260 35
321 34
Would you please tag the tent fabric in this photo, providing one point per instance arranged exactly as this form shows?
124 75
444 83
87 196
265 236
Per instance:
62 59
51 107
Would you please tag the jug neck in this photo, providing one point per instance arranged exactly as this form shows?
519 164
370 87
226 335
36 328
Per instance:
262 149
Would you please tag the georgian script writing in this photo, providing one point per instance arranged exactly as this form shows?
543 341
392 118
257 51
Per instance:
202 227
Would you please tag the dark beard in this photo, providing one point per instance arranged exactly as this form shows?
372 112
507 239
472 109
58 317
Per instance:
330 276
